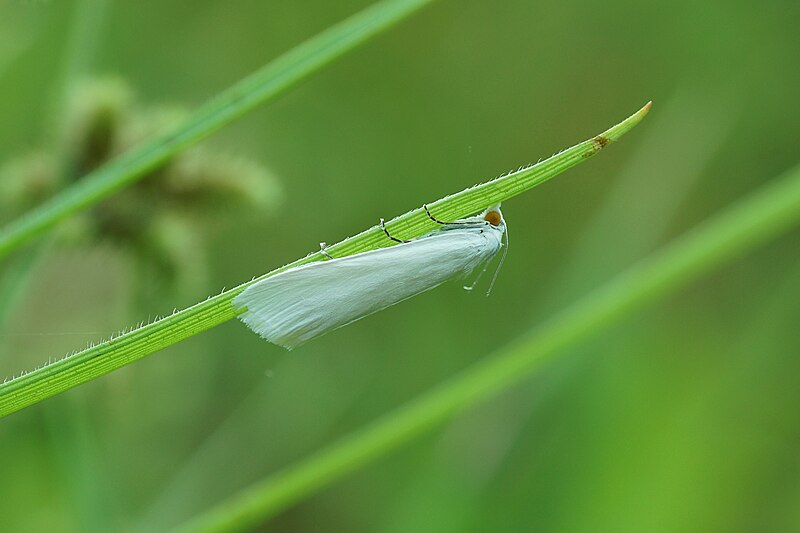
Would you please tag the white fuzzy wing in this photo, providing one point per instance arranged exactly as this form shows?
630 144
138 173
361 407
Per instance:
299 304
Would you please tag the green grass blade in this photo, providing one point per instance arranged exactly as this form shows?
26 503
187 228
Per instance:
720 239
126 348
262 86
88 18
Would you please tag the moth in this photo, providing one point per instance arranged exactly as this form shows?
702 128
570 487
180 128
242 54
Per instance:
304 302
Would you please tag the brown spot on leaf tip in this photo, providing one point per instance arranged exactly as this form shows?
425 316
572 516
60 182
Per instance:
601 141
598 143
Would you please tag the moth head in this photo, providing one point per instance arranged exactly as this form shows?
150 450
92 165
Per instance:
493 216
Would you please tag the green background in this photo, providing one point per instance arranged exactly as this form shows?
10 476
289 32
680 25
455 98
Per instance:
682 418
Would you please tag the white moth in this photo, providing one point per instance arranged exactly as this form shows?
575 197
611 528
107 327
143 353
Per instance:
299 304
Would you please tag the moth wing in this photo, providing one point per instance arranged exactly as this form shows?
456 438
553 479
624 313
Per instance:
301 303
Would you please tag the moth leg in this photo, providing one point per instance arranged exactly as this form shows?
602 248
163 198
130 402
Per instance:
322 247
395 239
477 279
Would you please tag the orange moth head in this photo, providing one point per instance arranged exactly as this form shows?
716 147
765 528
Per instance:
493 217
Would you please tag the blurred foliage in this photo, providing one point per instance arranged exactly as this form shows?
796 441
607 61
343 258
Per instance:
681 419
162 220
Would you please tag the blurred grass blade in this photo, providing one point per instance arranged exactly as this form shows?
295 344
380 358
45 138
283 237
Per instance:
87 20
112 354
726 236
262 86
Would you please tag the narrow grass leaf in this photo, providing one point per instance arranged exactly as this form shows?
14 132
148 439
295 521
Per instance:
128 347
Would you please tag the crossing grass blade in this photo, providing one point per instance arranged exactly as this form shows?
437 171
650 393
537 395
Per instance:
721 239
262 86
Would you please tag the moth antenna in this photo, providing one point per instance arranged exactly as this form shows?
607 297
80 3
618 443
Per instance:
322 247
386 231
430 216
500 264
